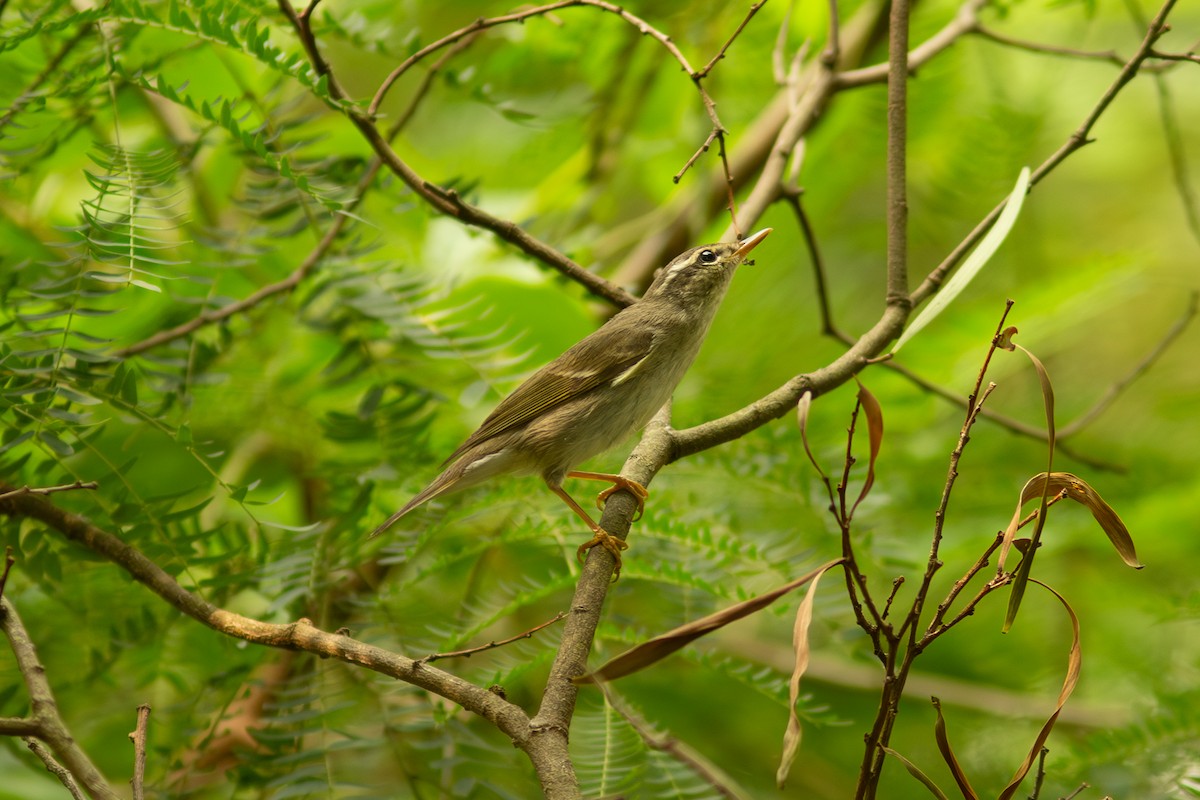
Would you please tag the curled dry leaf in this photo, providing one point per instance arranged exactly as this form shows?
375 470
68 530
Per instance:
802 409
874 414
1074 664
791 737
943 743
648 652
1025 569
1078 490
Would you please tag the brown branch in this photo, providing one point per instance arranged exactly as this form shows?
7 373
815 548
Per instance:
1177 153
792 195
53 767
643 27
138 737
553 719
976 399
45 490
470 651
1192 57
829 56
762 155
897 156
712 135
214 315
44 721
448 201
964 22
707 68
300 635
1110 56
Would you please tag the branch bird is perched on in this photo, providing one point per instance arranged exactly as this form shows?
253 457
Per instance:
600 391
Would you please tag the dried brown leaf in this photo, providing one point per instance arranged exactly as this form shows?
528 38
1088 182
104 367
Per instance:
1077 489
1074 664
802 408
943 743
791 737
650 651
874 414
1021 579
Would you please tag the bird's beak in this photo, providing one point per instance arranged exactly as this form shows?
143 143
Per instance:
750 242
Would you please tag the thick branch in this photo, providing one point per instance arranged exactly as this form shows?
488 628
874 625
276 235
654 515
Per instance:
299 635
44 721
897 163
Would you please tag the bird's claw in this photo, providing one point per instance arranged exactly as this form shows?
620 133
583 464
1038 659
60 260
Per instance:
639 492
612 544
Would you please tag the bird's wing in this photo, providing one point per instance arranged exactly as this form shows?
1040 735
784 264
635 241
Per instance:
590 363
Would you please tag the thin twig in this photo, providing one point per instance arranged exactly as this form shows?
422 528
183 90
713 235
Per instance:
792 195
778 70
520 16
448 201
45 490
937 626
963 23
138 737
1178 155
712 135
1040 777
1114 390
470 651
707 68
856 581
829 55
975 402
1192 57
897 582
1078 139
1110 56
54 768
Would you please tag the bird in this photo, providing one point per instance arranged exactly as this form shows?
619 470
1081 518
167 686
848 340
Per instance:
602 389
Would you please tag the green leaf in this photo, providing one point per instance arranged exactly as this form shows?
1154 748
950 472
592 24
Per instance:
974 263
56 444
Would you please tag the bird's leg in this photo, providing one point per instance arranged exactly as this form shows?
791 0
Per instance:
611 543
618 482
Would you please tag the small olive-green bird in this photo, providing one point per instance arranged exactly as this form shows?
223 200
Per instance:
598 392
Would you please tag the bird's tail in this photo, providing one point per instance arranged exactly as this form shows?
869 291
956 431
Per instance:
441 484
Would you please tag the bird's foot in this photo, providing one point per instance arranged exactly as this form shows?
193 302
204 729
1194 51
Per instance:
619 483
612 544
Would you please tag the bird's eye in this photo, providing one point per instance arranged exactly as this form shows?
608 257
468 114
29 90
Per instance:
708 257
